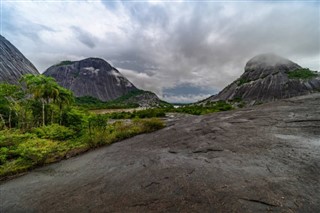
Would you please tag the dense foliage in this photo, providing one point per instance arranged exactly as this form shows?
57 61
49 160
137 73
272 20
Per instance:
126 101
21 151
40 124
303 73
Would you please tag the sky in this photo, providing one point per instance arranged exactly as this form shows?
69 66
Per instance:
184 51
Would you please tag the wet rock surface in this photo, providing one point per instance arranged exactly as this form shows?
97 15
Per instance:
13 64
260 159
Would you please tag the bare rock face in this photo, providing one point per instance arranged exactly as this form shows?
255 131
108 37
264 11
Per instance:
266 78
259 159
13 64
91 77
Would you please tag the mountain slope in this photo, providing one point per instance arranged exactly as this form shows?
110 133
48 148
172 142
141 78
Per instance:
94 77
269 77
13 64
91 77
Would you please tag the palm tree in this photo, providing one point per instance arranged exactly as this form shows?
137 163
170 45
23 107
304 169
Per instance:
65 97
10 95
45 89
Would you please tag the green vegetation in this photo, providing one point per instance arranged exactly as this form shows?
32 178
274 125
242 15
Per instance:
210 107
242 81
40 124
88 102
62 63
161 112
128 100
21 151
303 73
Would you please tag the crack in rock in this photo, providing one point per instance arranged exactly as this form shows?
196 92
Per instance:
259 202
152 183
207 150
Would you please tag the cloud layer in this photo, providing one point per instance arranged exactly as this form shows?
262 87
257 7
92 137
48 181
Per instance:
165 46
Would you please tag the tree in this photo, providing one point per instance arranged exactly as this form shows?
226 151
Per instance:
42 88
10 96
65 97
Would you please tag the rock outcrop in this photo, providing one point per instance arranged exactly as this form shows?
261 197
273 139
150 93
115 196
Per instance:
91 77
269 77
13 64
143 98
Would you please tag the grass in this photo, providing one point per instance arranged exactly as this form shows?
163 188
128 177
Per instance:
22 151
303 73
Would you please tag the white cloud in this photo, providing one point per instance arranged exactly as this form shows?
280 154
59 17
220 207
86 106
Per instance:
188 98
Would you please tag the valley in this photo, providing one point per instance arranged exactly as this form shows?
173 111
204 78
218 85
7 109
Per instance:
159 106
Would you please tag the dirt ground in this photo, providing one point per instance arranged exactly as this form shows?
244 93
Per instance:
260 159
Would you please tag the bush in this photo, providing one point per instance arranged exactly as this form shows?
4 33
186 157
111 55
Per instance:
150 125
13 137
54 132
4 151
37 150
74 119
303 73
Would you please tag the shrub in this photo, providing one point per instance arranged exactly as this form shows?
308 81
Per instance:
54 132
150 125
13 137
74 119
302 73
37 150
4 151
98 122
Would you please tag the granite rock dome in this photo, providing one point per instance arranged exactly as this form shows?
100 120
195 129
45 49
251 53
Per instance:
267 77
13 64
91 77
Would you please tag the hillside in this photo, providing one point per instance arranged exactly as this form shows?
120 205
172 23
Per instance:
268 77
91 77
13 63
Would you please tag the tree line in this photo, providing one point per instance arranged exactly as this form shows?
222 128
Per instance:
37 101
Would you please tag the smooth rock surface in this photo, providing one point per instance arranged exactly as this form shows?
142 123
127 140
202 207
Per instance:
91 77
259 159
13 64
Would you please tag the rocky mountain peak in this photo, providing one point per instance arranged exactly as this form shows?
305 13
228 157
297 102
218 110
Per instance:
96 63
269 77
263 65
91 77
13 64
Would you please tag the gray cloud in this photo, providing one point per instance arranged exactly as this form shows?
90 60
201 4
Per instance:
163 47
83 36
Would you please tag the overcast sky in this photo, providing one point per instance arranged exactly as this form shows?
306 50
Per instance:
183 51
